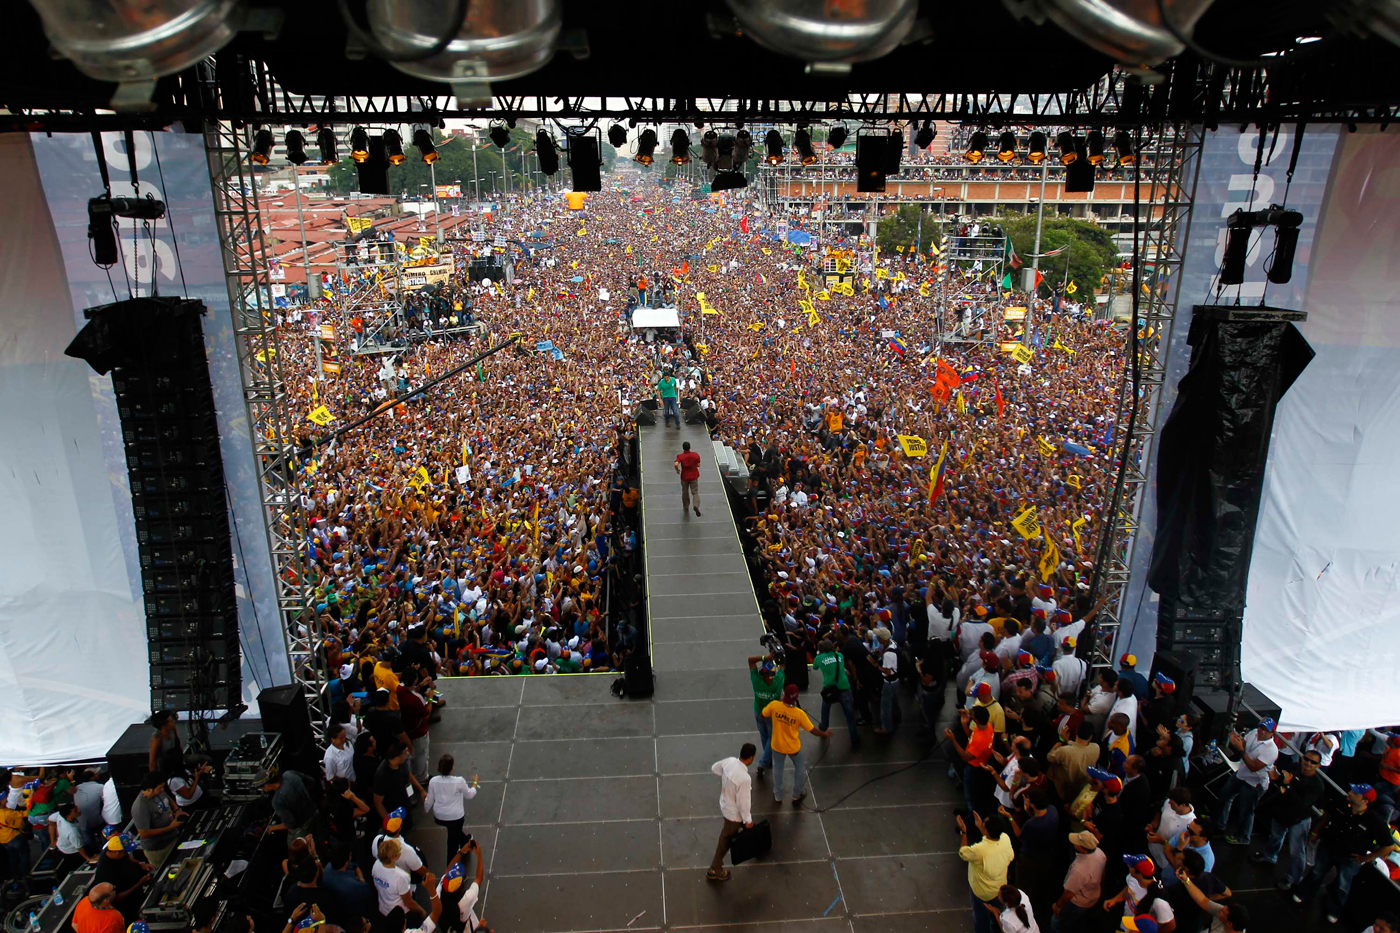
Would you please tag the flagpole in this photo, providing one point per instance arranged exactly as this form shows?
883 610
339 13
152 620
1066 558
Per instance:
1029 280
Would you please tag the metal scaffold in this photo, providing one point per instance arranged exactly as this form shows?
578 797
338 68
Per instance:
1165 226
260 365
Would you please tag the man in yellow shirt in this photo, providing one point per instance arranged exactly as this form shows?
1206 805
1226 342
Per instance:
789 721
987 862
385 678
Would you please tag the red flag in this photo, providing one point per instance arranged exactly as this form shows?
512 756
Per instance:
744 223
685 267
794 366
1001 403
1038 278
948 375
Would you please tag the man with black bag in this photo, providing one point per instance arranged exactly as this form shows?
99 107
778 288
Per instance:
735 804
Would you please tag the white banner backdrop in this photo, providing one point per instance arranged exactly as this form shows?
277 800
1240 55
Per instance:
1322 624
72 626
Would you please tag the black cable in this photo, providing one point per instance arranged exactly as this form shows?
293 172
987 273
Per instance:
366 38
170 218
879 777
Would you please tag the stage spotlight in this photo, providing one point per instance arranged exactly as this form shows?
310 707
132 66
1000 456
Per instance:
617 135
1006 147
836 137
743 143
1065 142
894 148
295 144
802 142
373 169
709 148
680 147
1123 143
585 163
262 146
728 181
546 152
924 137
646 147
1095 147
500 136
976 146
393 147
1035 148
359 144
423 142
1079 174
325 141
871 159
773 144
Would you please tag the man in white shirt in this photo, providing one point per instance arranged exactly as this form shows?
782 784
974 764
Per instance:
339 760
1069 670
1125 703
734 804
1257 755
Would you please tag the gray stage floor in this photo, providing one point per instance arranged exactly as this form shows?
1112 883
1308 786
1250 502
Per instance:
602 814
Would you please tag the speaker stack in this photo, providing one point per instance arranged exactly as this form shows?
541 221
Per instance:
155 350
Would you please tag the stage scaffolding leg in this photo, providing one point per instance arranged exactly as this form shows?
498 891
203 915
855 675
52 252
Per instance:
260 364
1170 188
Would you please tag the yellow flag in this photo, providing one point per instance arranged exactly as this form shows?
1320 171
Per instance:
1079 523
1022 353
427 368
823 295
420 479
1049 559
1045 446
629 249
913 446
923 289
933 249
899 249
1027 524
582 231
766 251
464 451
321 415
756 325
713 268
530 295
1075 480
962 403
1059 346
1071 288
813 318
802 280
881 274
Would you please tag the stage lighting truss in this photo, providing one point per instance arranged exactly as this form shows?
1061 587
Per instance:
709 148
266 399
1123 145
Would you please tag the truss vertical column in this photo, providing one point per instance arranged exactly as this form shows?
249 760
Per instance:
260 366
1170 188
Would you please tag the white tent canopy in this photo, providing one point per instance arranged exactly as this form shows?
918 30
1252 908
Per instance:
656 317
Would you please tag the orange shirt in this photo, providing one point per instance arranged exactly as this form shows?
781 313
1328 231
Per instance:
88 919
979 744
1391 759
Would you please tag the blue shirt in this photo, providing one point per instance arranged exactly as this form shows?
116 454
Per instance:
353 898
1350 738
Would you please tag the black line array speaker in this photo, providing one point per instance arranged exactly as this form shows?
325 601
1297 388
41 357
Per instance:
1180 666
154 348
283 709
644 416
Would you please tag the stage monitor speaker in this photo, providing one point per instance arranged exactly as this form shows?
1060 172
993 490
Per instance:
695 415
636 673
645 416
1211 705
283 709
688 402
651 404
1180 666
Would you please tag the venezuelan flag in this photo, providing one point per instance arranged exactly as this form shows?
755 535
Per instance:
936 475
899 346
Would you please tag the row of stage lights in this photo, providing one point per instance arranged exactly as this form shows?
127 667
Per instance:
1071 147
295 145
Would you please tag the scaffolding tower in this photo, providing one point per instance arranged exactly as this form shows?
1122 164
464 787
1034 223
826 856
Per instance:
983 257
1165 225
260 366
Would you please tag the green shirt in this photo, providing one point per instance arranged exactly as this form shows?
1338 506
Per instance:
833 670
765 693
667 385
569 665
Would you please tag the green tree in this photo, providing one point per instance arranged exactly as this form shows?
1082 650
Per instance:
904 227
1091 250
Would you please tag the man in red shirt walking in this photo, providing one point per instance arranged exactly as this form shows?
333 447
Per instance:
688 466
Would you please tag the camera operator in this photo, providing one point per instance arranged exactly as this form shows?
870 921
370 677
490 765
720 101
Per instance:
768 682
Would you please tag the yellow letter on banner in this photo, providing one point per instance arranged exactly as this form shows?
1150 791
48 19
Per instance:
1027 524
913 446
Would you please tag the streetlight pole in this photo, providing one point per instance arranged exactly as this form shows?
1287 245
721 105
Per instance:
1029 281
306 261
493 182
476 178
437 214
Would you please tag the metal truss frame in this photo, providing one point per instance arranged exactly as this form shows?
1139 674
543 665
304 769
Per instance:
246 271
1163 244
1189 91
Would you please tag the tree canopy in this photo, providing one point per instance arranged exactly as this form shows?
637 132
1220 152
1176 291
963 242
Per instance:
1091 250
903 228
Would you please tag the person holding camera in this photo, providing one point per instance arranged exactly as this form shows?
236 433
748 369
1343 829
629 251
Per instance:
458 898
768 682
